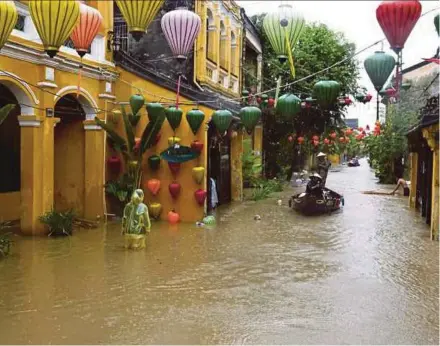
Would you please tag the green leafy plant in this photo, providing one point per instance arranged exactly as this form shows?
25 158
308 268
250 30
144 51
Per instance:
263 188
251 164
122 188
59 223
5 239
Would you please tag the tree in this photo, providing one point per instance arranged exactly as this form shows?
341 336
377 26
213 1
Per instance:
318 48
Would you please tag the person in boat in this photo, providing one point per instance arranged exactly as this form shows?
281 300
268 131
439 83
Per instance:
315 185
404 184
323 167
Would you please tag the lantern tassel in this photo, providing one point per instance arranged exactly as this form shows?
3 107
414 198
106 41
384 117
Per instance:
78 90
289 49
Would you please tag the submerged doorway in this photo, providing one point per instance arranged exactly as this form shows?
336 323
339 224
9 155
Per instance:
69 156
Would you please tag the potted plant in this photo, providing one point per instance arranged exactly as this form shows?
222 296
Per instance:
59 223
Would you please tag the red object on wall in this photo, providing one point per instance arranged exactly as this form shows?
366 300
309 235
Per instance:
174 167
271 102
197 146
174 189
200 196
114 164
173 217
397 19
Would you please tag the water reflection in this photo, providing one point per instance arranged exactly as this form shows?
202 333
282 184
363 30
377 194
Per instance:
368 274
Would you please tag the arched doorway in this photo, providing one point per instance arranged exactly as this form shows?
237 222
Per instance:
69 155
9 144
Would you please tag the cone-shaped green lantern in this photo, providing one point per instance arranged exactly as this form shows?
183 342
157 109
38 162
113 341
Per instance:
195 118
154 110
437 23
379 67
136 103
406 86
174 116
288 105
359 97
249 117
154 162
326 92
278 25
222 119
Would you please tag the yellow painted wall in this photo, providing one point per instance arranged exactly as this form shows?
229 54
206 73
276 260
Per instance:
10 206
185 205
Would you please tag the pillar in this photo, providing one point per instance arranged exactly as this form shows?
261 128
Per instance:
413 177
435 196
237 167
94 170
31 173
259 71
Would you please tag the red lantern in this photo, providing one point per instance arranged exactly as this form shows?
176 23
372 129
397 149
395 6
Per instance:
326 141
114 164
315 143
341 139
259 100
174 167
390 92
360 129
348 132
153 185
271 102
173 217
290 139
200 196
174 189
397 19
368 98
315 138
87 28
377 123
300 140
197 146
333 135
348 101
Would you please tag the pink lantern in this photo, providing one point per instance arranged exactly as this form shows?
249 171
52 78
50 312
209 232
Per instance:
83 34
181 28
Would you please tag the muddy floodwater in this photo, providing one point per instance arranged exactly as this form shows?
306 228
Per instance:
366 275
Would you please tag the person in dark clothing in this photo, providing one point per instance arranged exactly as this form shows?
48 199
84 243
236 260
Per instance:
323 167
314 186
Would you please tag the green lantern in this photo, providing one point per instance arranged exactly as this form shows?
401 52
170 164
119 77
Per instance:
155 110
288 105
174 116
136 103
437 23
379 67
383 92
326 92
222 120
264 97
245 93
278 25
359 97
195 119
406 86
154 162
249 117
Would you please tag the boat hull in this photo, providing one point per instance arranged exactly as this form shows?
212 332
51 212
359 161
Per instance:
312 205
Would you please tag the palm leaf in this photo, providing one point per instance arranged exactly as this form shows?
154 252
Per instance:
118 141
4 112
128 130
150 133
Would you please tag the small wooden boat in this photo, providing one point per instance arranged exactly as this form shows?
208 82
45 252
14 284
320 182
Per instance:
309 204
353 163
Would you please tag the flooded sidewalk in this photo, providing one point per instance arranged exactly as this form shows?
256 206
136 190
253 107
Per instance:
365 275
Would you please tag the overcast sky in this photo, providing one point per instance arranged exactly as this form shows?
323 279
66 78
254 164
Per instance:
357 20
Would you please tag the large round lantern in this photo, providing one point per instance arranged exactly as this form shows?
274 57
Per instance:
222 119
181 28
195 118
249 117
397 19
288 105
326 92
9 16
139 14
84 33
379 67
54 21
283 28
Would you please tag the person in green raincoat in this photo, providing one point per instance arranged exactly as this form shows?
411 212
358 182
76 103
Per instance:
135 219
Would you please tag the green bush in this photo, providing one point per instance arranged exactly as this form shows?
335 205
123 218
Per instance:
59 223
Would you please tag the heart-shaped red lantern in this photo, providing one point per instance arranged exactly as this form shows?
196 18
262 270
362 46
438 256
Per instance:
174 188
173 217
271 102
197 146
114 164
326 141
333 135
174 167
200 196
290 139
153 185
300 140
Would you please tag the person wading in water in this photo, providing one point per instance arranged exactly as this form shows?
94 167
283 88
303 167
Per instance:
323 167
405 185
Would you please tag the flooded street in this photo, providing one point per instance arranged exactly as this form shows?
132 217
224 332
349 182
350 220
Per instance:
366 275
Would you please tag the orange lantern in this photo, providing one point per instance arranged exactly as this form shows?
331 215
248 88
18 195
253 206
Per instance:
85 31
173 217
300 140
333 135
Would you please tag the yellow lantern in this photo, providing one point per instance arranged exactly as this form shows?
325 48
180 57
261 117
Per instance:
139 14
55 21
8 19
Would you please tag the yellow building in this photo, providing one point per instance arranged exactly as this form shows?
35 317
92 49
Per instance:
54 151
